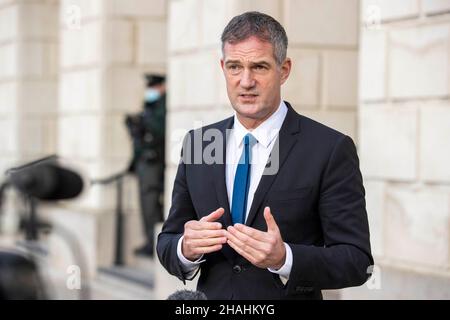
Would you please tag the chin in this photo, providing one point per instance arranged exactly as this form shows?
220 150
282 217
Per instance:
249 110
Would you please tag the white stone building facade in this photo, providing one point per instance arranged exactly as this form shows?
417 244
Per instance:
376 70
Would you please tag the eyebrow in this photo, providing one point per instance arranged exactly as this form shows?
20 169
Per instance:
264 63
252 63
232 61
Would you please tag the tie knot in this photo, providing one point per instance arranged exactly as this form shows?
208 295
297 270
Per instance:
249 139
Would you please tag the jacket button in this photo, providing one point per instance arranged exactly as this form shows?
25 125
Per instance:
237 269
300 289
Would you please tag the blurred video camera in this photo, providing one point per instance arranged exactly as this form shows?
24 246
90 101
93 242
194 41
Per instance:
48 180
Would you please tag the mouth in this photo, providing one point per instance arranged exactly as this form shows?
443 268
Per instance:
248 96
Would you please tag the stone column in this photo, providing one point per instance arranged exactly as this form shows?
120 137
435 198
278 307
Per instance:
405 146
28 83
323 38
106 48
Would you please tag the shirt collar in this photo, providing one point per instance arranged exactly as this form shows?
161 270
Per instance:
266 132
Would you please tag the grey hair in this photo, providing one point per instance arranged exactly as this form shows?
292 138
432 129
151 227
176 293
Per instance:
261 26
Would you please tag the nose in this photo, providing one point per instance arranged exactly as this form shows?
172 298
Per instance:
247 80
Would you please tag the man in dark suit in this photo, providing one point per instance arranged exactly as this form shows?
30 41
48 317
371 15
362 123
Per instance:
268 204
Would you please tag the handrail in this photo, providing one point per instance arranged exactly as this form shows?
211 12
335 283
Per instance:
118 177
109 179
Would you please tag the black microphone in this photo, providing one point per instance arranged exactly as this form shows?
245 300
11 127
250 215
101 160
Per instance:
187 295
46 181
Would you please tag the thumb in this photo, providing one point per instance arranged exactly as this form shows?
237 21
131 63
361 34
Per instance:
213 216
270 221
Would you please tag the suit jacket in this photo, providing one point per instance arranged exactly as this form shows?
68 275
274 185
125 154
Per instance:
316 198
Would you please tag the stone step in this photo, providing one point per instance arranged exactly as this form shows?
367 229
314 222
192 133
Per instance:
138 276
123 283
144 263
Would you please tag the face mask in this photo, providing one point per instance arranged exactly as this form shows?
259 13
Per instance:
152 95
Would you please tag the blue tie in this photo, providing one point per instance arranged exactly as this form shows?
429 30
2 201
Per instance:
242 182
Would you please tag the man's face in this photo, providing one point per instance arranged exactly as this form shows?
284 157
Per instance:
253 79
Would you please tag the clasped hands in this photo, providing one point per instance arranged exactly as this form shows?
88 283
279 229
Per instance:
262 249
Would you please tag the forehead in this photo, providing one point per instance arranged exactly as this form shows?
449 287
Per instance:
248 49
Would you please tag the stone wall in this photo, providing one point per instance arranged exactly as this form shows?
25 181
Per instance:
69 72
404 117
376 70
106 48
323 82
28 85
323 45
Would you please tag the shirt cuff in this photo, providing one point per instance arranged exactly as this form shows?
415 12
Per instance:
187 266
285 270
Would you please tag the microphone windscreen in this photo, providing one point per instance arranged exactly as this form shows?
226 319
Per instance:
187 295
37 181
47 181
68 184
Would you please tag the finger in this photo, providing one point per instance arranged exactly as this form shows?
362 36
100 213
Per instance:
201 225
207 242
205 234
244 238
234 239
244 247
271 224
204 250
213 216
251 232
241 252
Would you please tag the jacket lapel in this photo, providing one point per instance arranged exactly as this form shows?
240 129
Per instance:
219 176
284 143
221 188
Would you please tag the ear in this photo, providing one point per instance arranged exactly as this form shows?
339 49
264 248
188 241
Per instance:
222 63
285 70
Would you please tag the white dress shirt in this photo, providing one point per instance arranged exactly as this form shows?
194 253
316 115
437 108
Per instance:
266 134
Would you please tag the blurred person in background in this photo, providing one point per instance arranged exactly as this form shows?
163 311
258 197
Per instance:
147 130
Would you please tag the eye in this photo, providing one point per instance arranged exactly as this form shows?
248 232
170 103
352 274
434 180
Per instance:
234 69
260 67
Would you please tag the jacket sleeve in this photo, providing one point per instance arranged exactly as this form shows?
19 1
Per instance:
181 211
344 259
